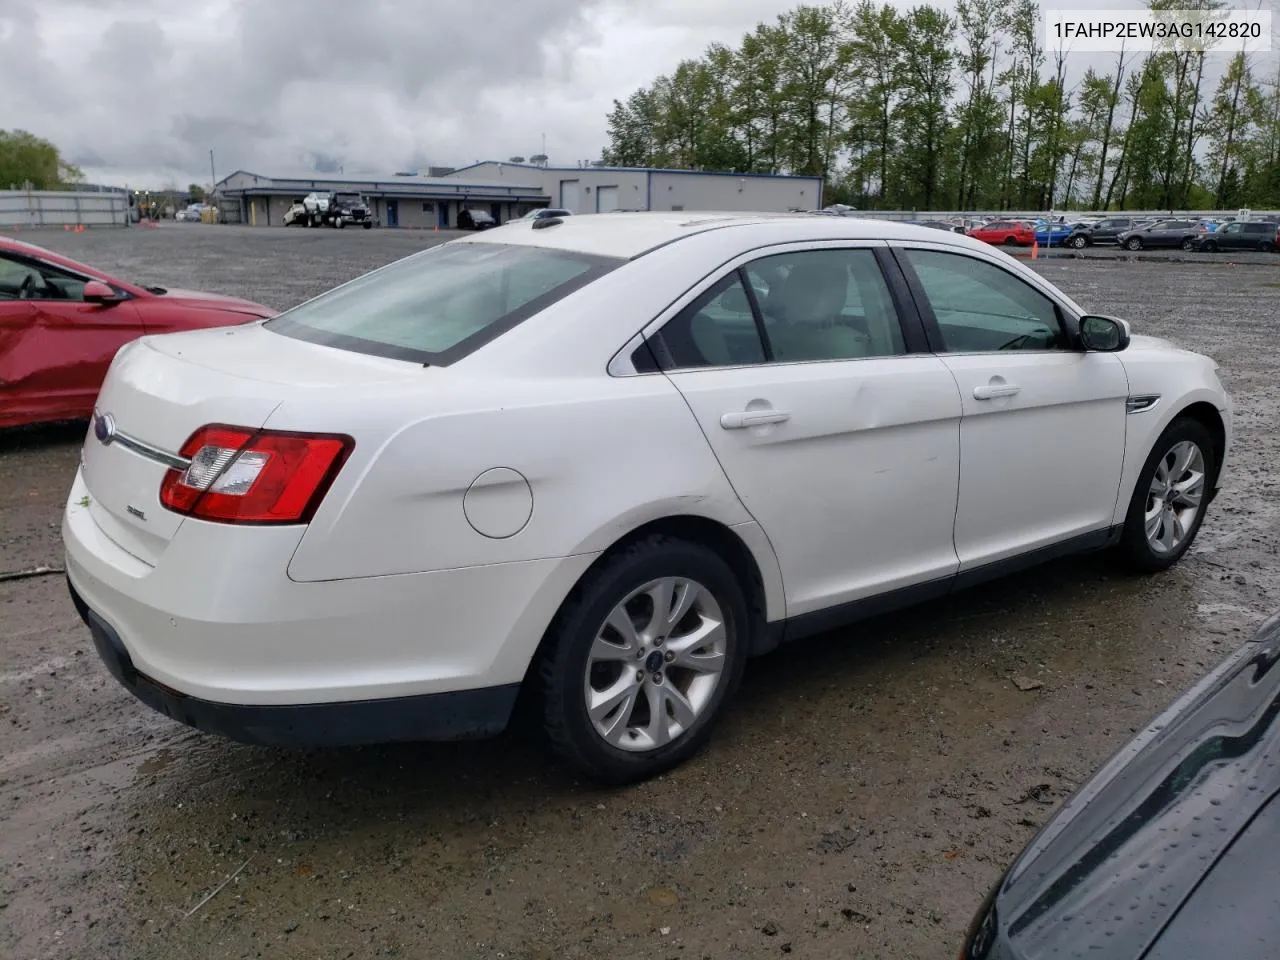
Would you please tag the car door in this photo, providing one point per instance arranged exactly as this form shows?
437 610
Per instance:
58 363
1043 431
835 426
1108 230
1230 236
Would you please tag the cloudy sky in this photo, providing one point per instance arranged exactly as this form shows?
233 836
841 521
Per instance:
139 91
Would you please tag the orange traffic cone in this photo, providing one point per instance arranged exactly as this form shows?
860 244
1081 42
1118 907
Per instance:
1035 249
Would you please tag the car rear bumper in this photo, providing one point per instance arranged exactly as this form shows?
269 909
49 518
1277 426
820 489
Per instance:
454 715
214 633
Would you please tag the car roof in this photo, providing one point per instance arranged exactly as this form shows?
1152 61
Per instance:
629 235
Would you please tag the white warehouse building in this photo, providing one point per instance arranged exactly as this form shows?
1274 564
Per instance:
598 189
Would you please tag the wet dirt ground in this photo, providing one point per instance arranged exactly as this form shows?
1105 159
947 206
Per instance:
860 797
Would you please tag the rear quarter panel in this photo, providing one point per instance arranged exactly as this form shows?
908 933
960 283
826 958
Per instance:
600 457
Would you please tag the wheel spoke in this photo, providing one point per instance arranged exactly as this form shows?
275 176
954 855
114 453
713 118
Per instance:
1181 524
611 709
603 649
1153 521
620 620
686 595
1189 492
689 652
1182 454
659 728
1166 530
681 708
661 593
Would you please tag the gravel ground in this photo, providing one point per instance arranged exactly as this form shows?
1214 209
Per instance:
862 794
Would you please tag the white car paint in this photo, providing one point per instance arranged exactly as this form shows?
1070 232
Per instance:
479 493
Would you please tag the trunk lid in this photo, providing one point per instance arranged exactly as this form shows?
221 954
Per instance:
161 389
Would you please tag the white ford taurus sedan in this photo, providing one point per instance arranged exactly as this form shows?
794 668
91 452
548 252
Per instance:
605 460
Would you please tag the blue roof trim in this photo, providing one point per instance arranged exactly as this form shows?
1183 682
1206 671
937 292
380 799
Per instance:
649 170
394 183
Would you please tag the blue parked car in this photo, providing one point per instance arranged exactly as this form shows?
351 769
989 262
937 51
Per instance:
1053 234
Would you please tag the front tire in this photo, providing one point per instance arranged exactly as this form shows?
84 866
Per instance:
1079 242
1170 498
642 659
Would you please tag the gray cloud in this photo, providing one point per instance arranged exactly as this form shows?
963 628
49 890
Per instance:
140 90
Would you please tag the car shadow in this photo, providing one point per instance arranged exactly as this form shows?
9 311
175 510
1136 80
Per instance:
1035 608
42 435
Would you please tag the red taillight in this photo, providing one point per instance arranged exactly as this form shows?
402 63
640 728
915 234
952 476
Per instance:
239 475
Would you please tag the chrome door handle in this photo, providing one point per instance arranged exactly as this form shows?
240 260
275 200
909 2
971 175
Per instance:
993 390
752 418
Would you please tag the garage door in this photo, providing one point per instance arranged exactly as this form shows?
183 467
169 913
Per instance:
606 199
569 195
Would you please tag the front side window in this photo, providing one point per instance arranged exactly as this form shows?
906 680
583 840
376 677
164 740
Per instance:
439 305
981 307
23 280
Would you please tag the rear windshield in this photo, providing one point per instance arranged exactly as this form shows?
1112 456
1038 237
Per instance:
437 306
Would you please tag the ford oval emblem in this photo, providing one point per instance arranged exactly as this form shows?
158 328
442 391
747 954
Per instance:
104 427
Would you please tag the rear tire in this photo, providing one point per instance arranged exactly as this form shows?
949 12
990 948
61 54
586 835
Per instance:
1189 244
1266 246
1010 241
1162 521
573 671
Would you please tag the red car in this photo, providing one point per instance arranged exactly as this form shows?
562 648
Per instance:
61 323
1006 233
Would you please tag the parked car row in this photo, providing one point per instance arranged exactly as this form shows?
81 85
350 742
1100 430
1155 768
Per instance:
1130 233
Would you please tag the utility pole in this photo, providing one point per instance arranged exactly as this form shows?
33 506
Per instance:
213 177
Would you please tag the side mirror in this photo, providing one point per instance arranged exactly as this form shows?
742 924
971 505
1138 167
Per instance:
95 291
1104 334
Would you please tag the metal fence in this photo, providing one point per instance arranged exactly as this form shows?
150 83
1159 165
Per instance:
55 208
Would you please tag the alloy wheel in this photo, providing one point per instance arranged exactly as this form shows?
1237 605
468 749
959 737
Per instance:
655 663
1175 497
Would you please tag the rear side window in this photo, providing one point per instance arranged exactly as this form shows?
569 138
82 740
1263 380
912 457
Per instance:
1259 228
813 305
439 305
718 329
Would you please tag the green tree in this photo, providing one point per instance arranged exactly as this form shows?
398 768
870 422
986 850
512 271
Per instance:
978 122
921 115
1230 128
876 59
27 159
